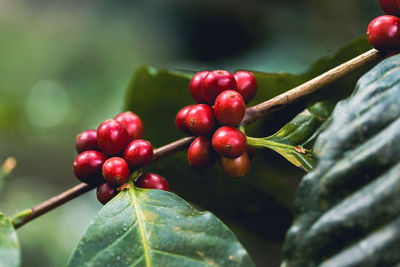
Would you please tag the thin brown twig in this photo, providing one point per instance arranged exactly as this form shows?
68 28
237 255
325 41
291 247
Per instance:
281 101
54 202
252 114
82 188
172 148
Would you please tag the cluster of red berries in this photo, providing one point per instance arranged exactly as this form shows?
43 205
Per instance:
384 31
109 154
216 126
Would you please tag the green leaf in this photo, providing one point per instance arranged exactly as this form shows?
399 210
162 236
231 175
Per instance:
296 155
142 227
347 210
165 91
9 245
296 138
269 187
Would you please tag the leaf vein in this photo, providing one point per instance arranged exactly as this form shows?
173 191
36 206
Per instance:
139 216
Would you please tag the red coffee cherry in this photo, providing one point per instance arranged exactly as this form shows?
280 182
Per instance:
246 85
138 153
390 7
229 142
200 120
195 86
105 193
115 171
152 181
216 82
133 124
201 155
384 33
180 119
86 140
87 166
237 167
112 137
229 108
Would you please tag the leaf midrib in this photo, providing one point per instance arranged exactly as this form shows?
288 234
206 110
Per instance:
139 217
265 142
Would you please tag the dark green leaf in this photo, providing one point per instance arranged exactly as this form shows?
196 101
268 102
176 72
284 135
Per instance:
156 96
9 245
295 139
143 227
347 210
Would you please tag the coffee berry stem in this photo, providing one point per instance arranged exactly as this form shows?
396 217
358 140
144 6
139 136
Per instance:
252 115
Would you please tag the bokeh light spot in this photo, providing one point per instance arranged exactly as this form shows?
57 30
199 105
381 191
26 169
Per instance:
48 104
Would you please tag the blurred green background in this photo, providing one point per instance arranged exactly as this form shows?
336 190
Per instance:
65 65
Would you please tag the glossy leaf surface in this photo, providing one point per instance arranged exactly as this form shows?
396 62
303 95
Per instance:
347 210
142 227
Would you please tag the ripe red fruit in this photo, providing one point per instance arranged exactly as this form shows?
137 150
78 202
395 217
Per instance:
237 167
246 85
133 124
115 171
112 137
384 33
229 108
86 140
195 86
152 181
201 154
87 166
138 153
180 119
216 82
105 193
390 7
200 120
229 142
